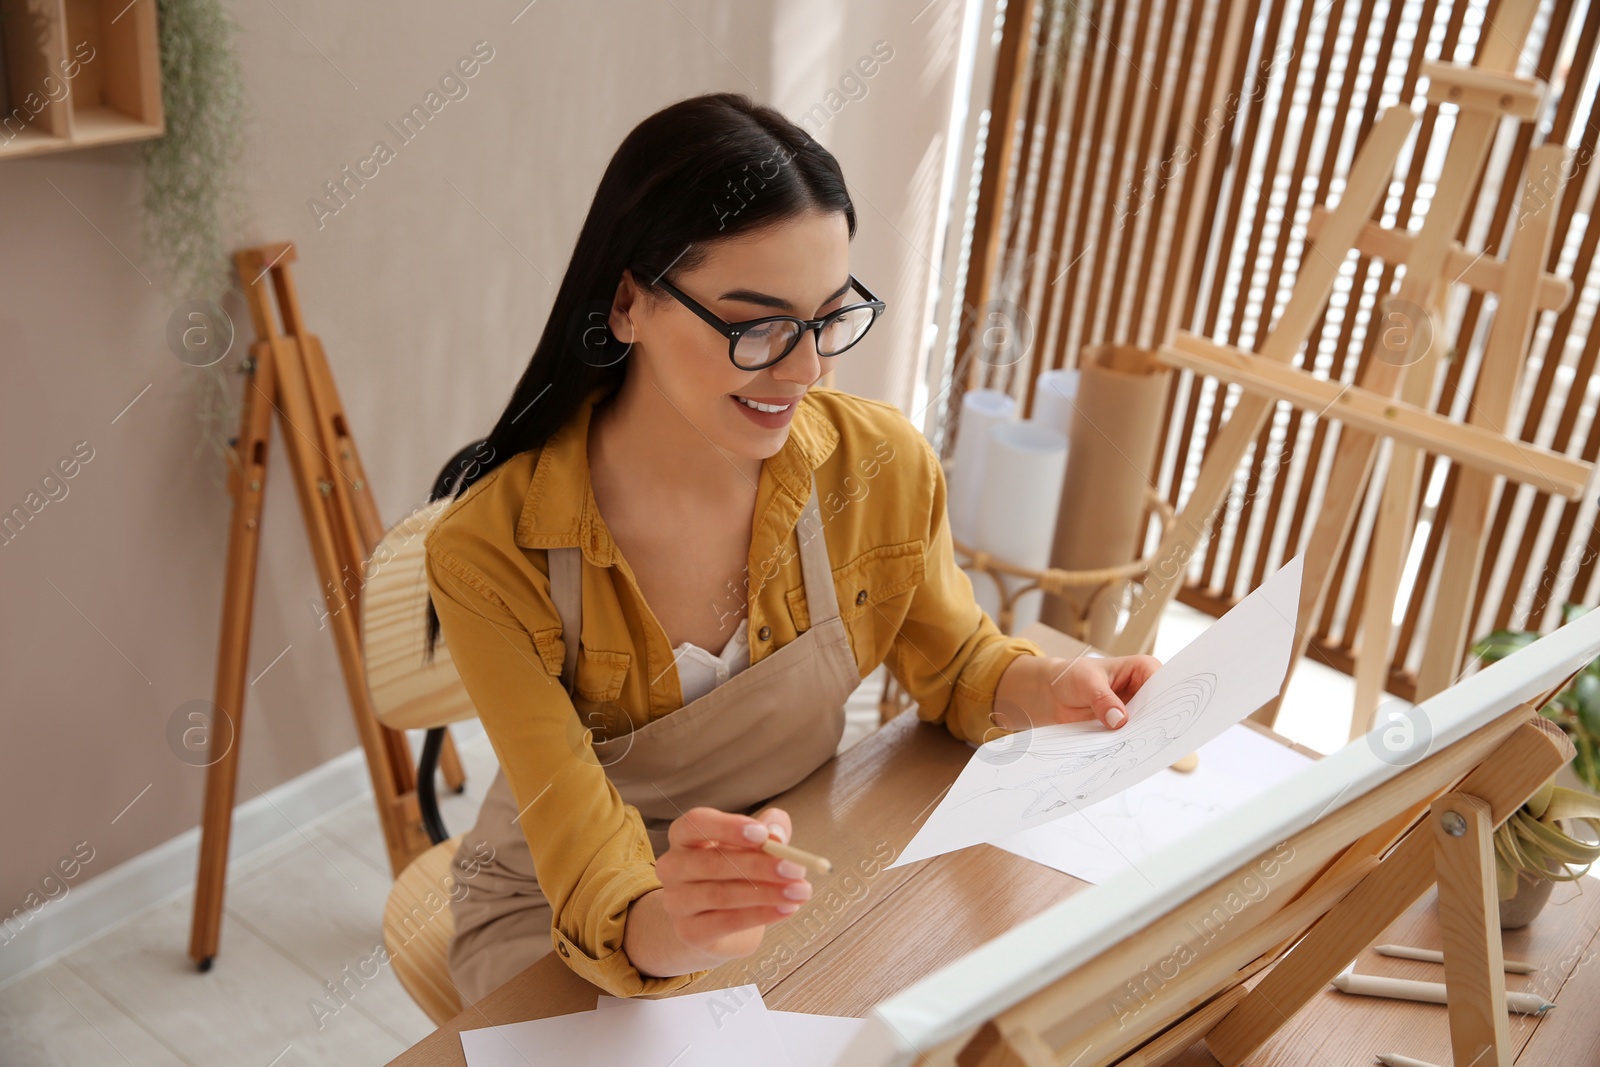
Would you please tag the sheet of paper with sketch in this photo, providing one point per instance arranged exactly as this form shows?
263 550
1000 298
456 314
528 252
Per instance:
1031 777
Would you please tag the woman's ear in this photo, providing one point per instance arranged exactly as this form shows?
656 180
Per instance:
621 309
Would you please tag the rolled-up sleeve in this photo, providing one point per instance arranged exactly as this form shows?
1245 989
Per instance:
949 653
590 851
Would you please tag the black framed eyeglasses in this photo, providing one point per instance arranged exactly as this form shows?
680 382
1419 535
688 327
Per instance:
757 343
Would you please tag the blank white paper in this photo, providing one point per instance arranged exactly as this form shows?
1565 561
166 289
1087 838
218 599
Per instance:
1032 777
559 1041
718 1028
810 1040
1116 833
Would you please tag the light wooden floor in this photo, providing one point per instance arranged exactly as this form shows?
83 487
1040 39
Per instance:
304 916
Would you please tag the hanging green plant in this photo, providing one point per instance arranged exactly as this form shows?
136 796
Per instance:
189 172
191 189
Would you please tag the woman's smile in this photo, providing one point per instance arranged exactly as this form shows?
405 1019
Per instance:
773 412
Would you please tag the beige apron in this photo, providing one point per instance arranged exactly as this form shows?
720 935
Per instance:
755 735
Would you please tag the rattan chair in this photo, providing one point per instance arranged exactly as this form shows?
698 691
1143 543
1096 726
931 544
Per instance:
409 694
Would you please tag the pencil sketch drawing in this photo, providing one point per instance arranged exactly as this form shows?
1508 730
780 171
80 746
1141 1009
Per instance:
1079 764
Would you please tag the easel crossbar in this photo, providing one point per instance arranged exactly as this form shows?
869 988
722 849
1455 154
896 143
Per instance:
1473 270
1472 445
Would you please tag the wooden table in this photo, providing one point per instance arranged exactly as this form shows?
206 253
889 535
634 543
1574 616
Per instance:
866 933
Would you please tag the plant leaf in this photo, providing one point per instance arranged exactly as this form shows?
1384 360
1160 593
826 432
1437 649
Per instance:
1501 643
1567 803
1589 708
1540 800
1505 881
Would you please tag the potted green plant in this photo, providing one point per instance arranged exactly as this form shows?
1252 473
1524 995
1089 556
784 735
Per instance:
1537 846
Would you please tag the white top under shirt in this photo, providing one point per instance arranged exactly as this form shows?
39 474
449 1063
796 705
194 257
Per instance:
700 671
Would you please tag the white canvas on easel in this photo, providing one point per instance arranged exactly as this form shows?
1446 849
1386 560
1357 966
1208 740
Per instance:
963 995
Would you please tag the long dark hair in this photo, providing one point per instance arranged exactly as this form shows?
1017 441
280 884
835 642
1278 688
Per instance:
699 170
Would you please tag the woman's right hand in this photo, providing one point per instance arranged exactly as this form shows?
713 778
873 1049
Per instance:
718 888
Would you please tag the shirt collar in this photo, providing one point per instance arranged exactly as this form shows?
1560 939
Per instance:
559 510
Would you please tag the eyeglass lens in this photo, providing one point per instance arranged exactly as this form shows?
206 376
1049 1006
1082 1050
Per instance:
769 340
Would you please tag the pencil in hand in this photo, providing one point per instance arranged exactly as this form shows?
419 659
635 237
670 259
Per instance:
818 864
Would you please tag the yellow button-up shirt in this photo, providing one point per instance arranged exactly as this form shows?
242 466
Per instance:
903 600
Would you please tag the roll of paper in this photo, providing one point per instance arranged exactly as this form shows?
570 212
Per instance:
1024 465
1114 443
1054 394
981 411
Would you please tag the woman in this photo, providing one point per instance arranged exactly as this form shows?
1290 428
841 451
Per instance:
668 481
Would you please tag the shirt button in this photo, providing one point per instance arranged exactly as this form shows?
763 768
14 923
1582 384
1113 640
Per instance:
561 947
764 633
861 596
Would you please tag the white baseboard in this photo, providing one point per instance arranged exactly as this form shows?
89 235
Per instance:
157 875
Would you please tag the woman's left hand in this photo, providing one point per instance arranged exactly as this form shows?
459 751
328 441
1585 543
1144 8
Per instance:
1043 690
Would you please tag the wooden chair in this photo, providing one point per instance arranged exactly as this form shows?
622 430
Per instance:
409 694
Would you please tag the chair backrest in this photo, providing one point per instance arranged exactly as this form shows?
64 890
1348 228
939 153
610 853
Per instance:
408 693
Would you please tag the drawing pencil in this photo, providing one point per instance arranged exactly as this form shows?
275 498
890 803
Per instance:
1373 985
1433 955
800 856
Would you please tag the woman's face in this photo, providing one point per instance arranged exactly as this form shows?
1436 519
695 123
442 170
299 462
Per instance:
796 267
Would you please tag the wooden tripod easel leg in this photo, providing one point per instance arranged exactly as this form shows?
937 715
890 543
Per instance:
246 484
350 493
1469 914
1504 356
1502 361
1386 556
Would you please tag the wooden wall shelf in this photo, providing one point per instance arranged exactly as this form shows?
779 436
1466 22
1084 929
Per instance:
78 73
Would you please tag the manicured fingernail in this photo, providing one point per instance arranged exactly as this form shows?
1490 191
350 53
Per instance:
754 832
790 869
1115 718
787 909
798 891
779 834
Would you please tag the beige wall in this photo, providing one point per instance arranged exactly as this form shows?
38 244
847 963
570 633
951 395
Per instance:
428 306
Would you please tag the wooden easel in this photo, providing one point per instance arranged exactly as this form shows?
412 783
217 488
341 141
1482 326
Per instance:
1502 366
1481 444
1369 409
1354 873
287 372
